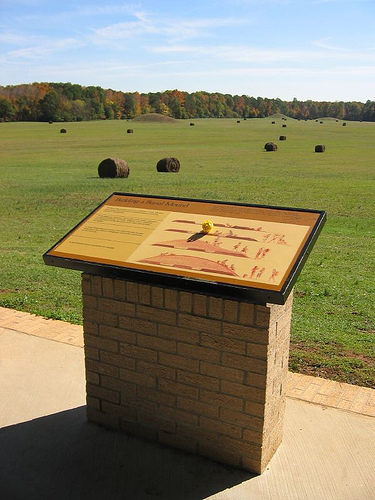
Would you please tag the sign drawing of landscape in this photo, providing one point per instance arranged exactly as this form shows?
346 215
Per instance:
246 250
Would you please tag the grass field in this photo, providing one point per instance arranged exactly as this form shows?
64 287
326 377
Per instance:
49 182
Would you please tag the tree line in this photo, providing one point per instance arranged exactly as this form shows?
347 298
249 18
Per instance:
72 102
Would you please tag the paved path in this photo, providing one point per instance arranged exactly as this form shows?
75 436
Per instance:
48 449
304 387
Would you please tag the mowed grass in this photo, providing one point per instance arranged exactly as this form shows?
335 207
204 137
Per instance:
49 182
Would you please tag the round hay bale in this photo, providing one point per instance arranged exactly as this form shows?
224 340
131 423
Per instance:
129 131
113 167
168 165
63 131
284 125
192 124
282 138
320 148
270 146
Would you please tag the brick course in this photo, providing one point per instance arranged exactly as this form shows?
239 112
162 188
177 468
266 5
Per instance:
200 373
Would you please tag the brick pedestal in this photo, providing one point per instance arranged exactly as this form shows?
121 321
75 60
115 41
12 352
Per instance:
200 373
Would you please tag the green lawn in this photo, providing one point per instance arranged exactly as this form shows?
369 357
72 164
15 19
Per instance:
49 182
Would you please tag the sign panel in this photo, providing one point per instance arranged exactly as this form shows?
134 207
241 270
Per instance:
249 251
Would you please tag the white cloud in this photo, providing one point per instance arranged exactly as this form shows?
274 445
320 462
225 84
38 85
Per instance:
286 72
43 49
79 13
109 9
250 55
119 31
13 38
172 29
324 43
165 49
29 53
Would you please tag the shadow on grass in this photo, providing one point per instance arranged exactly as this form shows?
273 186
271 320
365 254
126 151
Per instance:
62 456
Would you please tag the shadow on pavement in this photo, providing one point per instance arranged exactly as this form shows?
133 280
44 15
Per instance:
62 456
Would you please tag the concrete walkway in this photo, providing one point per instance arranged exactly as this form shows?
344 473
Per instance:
48 449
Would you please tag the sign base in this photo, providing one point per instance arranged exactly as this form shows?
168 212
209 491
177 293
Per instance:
199 373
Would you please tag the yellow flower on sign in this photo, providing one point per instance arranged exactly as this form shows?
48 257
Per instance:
207 226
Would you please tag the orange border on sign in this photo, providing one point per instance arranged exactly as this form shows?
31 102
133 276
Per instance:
150 212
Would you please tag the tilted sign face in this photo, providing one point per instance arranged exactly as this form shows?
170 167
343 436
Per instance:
229 249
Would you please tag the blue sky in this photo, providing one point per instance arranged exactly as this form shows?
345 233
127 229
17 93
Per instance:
308 49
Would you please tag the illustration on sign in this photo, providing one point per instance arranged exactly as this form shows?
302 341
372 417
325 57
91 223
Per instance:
244 249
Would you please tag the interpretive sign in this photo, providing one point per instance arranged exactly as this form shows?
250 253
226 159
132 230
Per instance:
248 251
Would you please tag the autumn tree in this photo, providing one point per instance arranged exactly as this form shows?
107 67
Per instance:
369 111
79 110
50 107
7 110
353 111
145 104
130 105
239 105
175 100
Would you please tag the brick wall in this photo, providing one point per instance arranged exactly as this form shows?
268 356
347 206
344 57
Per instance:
200 373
